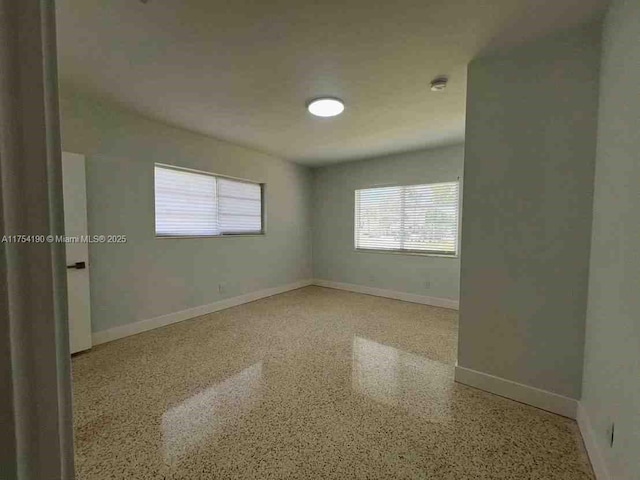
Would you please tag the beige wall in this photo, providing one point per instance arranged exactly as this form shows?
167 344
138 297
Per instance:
529 166
334 257
611 391
149 277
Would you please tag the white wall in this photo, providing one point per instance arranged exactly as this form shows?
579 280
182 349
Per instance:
334 257
611 391
149 277
529 166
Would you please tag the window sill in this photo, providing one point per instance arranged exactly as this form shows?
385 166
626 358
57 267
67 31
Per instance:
241 235
406 252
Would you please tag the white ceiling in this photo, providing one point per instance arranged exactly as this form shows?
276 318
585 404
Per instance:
242 70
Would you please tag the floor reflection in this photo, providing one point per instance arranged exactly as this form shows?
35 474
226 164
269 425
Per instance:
200 417
404 380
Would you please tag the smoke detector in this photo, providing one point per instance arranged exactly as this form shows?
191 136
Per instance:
438 84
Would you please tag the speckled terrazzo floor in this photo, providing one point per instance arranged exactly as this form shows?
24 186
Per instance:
313 383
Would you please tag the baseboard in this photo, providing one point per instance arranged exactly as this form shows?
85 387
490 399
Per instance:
381 292
543 399
163 320
595 454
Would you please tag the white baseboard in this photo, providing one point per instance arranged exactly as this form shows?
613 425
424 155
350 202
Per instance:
381 292
549 401
163 320
595 454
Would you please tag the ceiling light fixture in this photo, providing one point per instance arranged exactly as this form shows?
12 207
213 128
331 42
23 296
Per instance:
325 106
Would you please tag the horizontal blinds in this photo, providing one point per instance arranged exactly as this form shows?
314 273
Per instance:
185 203
421 218
240 206
199 204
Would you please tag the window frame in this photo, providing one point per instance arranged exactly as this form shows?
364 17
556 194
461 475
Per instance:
420 253
263 209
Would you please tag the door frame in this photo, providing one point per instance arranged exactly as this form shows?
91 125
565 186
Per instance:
35 408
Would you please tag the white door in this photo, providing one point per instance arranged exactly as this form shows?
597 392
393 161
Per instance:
75 224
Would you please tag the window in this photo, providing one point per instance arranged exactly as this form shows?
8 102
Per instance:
411 218
197 204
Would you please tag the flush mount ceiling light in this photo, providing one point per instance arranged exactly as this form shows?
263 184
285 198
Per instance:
325 106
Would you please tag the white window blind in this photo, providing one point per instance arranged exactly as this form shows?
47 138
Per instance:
411 218
199 204
239 206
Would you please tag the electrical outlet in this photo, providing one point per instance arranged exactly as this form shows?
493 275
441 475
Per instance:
427 284
611 434
612 430
221 288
